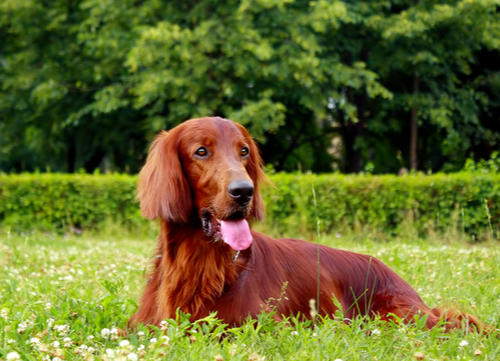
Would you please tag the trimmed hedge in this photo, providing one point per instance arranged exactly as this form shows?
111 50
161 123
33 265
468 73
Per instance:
427 202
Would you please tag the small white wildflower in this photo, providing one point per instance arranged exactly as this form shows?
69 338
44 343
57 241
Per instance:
463 343
105 332
83 347
91 337
11 341
163 325
57 359
295 333
132 357
140 348
91 350
114 331
62 329
110 352
4 313
153 340
22 327
166 339
338 359
35 340
124 343
140 333
376 332
13 356
56 344
48 306
50 321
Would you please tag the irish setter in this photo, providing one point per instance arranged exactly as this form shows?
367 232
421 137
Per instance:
202 180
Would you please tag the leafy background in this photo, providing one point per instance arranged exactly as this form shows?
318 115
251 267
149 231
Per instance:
322 85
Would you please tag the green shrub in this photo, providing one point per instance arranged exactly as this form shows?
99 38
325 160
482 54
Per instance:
426 202
61 201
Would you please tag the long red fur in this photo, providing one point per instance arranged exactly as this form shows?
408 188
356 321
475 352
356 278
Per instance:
197 275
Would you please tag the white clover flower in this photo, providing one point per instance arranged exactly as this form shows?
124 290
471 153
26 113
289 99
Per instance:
153 340
62 329
11 341
35 340
166 339
376 332
48 306
295 333
83 347
4 313
110 352
114 331
124 343
13 356
91 337
163 325
140 333
56 344
140 348
91 350
22 327
105 332
338 359
50 321
132 357
463 343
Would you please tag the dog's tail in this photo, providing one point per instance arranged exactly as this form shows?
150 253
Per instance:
454 318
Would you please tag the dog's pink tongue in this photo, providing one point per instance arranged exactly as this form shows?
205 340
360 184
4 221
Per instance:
236 234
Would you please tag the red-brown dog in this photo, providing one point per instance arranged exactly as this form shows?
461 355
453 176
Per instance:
202 180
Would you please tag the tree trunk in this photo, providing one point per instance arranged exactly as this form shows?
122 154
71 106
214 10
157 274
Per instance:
71 156
351 136
414 128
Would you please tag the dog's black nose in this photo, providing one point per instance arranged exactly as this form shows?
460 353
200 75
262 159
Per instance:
241 191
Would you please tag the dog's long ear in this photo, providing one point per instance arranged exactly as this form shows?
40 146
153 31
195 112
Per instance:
254 168
163 189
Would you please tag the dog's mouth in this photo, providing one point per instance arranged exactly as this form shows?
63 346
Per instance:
234 230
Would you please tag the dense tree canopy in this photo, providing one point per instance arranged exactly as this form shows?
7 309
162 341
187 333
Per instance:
322 85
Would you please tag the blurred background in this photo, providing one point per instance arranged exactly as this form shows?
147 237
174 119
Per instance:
349 86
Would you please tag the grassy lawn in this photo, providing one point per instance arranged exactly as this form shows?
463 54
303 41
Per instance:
68 298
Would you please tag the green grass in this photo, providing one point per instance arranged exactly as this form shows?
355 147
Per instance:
58 295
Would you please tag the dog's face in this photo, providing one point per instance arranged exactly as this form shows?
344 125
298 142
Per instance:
214 155
208 168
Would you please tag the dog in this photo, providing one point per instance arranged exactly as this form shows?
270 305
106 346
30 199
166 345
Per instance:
202 180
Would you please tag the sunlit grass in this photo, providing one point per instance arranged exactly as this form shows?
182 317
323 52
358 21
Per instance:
70 298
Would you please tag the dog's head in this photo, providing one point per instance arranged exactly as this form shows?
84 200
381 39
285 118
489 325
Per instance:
207 170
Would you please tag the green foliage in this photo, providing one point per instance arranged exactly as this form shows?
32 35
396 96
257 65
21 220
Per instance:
425 202
429 203
70 297
61 201
87 83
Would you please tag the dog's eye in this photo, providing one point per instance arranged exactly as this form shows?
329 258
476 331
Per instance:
202 152
244 151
